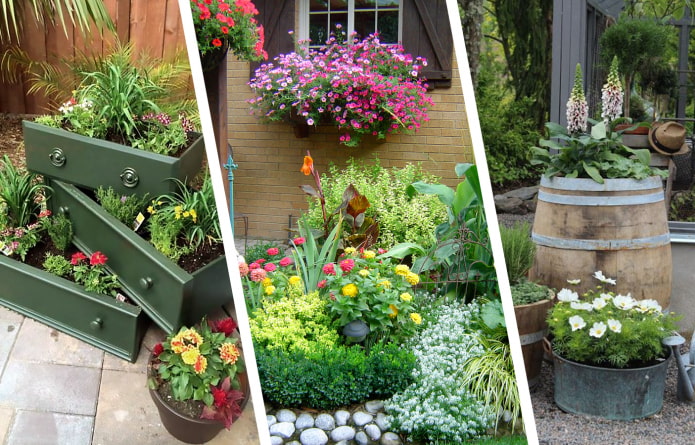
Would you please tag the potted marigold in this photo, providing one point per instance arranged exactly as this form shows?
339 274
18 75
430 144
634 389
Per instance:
363 87
608 352
197 380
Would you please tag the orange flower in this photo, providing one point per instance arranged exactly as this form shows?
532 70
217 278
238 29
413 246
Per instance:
200 365
308 165
229 353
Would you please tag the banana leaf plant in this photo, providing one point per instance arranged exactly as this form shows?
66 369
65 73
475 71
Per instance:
461 260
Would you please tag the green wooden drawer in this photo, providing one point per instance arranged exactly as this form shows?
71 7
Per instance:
91 163
99 320
169 295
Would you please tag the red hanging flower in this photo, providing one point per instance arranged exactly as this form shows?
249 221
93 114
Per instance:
77 258
98 259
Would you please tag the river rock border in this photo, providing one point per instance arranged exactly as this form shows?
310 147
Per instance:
364 425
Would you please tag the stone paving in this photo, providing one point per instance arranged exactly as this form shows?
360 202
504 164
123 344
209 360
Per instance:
55 389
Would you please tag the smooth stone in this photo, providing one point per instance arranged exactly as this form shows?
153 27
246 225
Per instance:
313 436
324 421
342 417
373 431
523 193
361 438
391 439
382 421
374 406
286 415
509 205
272 420
275 440
294 442
282 429
343 433
361 418
342 442
304 421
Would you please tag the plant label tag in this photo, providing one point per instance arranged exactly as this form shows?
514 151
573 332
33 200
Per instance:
120 297
5 249
138 221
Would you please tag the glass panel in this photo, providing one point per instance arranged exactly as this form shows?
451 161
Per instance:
388 26
318 5
364 23
339 19
362 4
339 5
318 28
388 3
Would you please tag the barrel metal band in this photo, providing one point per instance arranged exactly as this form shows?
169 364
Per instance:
609 185
584 200
601 244
528 339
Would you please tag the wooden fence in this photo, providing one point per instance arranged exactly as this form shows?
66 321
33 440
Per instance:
153 26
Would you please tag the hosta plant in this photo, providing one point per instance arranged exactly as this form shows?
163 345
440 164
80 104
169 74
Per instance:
606 329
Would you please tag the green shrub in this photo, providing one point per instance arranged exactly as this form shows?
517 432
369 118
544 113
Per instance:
519 250
400 218
260 251
60 231
57 265
125 208
527 292
329 377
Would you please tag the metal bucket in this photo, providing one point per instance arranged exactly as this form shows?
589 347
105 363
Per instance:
614 394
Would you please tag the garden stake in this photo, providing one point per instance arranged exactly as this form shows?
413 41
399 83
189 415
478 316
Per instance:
231 166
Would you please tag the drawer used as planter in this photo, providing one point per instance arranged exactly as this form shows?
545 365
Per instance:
168 294
99 320
91 163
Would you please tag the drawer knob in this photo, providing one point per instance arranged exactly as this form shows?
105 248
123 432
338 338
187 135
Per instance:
146 282
64 210
57 157
129 177
96 324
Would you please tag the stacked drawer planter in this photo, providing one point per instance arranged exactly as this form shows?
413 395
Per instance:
162 290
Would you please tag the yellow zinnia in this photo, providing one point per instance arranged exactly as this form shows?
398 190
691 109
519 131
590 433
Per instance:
229 353
295 280
384 283
412 278
405 296
350 250
269 290
368 254
402 269
416 318
349 290
364 273
267 282
200 365
190 356
394 311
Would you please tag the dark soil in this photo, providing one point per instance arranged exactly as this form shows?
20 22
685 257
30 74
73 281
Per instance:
11 138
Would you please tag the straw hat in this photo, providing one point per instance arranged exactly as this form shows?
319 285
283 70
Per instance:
668 138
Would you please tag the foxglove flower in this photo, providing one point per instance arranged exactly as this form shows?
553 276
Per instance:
577 109
612 95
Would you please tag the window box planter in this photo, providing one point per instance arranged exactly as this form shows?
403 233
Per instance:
99 320
91 163
169 295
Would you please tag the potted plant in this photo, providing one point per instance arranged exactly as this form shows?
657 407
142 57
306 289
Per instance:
197 380
600 204
531 300
222 25
115 132
608 352
362 87
38 292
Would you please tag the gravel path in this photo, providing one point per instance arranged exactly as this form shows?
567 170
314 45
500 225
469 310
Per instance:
674 425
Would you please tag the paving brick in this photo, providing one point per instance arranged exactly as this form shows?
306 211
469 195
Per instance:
50 387
6 419
8 333
47 428
153 336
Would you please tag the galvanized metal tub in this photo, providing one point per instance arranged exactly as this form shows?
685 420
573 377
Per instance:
615 394
619 227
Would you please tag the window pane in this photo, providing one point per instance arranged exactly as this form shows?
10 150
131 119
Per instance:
339 19
387 3
361 4
339 5
388 26
318 5
318 28
364 23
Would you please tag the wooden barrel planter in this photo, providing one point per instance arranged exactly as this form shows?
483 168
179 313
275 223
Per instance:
619 227
532 326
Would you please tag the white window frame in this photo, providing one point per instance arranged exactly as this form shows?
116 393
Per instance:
303 33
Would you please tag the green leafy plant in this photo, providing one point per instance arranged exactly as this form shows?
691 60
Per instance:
202 364
21 193
60 231
609 330
57 265
260 251
124 208
19 240
271 276
91 273
682 206
527 292
519 250
310 257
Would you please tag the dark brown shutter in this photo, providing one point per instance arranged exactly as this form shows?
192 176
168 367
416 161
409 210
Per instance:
277 18
427 33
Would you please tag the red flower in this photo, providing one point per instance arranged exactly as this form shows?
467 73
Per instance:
270 267
226 326
219 396
77 258
253 266
285 261
224 30
299 241
158 349
347 265
273 251
329 269
260 261
45 213
321 284
97 259
216 42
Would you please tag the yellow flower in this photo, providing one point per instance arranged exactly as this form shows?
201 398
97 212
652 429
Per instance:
190 356
349 290
150 210
177 212
402 270
405 296
384 283
416 318
368 254
229 353
394 311
412 278
294 280
269 290
186 214
185 339
350 250
267 282
364 273
194 215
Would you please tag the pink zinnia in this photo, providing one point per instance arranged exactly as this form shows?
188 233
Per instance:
254 265
273 251
347 265
260 261
258 275
299 241
285 261
270 267
321 284
243 269
329 269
